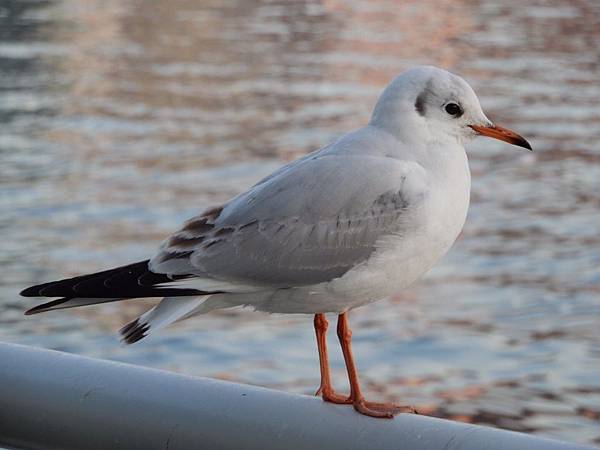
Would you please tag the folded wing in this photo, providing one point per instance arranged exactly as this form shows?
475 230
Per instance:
311 224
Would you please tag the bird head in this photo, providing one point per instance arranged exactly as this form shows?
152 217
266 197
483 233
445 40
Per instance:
431 104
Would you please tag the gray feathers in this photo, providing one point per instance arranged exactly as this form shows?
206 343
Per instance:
303 226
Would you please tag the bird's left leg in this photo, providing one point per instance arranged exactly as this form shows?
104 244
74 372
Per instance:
373 409
326 389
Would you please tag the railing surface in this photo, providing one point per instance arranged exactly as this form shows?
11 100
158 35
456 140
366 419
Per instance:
55 400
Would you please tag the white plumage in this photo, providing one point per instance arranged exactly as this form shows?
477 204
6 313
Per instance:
344 226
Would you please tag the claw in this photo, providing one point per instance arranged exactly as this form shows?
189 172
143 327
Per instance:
362 408
388 408
333 397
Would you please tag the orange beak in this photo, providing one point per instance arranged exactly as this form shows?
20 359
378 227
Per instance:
503 134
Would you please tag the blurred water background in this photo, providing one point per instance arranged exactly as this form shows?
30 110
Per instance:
119 120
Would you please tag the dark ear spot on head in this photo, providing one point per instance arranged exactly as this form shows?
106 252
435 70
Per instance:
420 102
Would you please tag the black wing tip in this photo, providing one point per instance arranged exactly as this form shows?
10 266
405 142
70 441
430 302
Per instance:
124 281
32 291
33 311
46 306
134 331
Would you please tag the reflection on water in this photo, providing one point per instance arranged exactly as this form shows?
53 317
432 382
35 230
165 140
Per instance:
121 119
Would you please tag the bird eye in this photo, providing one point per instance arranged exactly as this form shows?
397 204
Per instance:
453 109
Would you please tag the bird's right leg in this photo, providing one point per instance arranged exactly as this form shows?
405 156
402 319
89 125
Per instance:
326 389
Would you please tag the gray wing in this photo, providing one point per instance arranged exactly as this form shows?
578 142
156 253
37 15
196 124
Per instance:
312 222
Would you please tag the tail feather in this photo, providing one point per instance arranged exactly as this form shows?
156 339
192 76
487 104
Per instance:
168 311
135 331
135 281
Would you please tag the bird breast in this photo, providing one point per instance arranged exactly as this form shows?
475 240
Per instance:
403 258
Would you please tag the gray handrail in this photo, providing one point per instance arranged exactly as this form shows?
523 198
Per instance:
50 399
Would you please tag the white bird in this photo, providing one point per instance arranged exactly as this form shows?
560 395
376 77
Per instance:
346 225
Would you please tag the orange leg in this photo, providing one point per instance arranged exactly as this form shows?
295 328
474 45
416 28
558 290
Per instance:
325 389
373 409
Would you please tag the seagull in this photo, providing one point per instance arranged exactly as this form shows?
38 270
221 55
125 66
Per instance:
344 226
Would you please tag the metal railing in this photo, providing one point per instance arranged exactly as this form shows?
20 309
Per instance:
55 400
